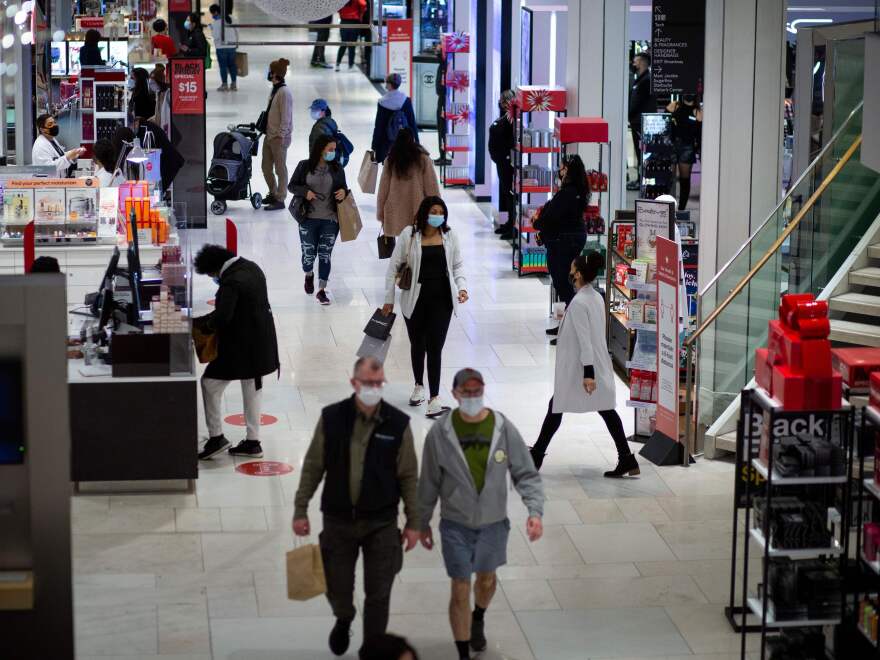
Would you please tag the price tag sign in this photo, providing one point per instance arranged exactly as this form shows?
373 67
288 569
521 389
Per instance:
188 87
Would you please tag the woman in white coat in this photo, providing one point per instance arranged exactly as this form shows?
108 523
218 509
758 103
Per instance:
48 151
432 250
584 380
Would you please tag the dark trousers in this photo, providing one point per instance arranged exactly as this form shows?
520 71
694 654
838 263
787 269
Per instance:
560 253
612 423
379 541
427 328
505 185
321 35
637 143
441 124
348 34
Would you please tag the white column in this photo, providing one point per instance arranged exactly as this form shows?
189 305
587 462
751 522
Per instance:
742 124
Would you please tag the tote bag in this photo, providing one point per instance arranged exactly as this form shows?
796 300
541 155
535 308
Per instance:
349 219
368 174
305 573
241 63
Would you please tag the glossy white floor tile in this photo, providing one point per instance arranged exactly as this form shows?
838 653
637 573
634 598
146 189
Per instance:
635 568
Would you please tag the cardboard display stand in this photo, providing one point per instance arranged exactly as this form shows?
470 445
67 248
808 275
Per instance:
188 135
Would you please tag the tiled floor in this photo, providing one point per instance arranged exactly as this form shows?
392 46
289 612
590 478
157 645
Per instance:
627 569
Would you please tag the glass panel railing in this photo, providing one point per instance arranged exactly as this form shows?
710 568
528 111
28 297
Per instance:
803 262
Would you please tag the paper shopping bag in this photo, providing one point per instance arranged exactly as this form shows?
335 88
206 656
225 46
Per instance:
349 219
368 174
241 63
305 573
379 325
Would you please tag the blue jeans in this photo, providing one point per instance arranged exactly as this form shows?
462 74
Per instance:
226 58
317 238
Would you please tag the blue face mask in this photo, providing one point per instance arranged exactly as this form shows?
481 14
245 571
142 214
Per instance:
187 25
216 280
329 156
316 114
436 220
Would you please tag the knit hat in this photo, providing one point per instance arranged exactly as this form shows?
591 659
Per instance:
279 67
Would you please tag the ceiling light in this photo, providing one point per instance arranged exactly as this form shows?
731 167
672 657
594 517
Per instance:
792 27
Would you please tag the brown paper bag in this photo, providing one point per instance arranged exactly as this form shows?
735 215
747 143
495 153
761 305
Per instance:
205 343
305 573
368 174
349 219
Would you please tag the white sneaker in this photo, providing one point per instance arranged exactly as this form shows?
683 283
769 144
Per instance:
417 397
435 408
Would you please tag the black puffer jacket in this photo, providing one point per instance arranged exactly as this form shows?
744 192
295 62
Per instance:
245 327
563 214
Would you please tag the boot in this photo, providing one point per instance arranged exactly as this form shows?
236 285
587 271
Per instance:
537 457
626 465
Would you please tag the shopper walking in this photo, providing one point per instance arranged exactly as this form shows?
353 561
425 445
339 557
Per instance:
324 124
194 42
440 88
687 119
641 101
474 527
500 147
363 450
247 348
407 178
279 130
226 44
430 248
394 112
322 35
561 223
584 380
90 54
318 185
141 102
161 40
350 14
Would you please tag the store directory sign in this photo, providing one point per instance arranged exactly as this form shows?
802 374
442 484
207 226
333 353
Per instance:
678 35
667 337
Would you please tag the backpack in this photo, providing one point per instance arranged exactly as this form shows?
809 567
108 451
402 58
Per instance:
344 147
395 123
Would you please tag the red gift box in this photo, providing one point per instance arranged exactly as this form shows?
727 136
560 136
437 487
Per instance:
875 389
811 357
790 301
872 541
763 369
798 392
540 98
581 129
856 364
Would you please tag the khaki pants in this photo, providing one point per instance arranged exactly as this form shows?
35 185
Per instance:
275 164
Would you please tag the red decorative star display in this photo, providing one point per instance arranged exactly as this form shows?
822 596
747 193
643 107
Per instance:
456 42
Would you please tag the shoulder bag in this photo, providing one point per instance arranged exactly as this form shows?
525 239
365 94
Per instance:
405 273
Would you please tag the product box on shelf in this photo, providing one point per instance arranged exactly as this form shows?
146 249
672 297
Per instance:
581 129
455 42
540 98
874 388
871 546
856 364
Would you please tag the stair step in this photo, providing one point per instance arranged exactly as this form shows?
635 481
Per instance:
860 334
874 251
869 276
726 441
857 303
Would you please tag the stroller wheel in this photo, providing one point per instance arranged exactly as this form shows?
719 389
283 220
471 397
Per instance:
218 207
256 200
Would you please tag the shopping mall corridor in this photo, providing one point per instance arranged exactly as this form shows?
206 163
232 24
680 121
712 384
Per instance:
626 569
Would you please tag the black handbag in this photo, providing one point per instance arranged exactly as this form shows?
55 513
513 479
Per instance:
299 208
379 326
385 245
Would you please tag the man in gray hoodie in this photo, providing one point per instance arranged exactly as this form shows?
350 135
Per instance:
467 457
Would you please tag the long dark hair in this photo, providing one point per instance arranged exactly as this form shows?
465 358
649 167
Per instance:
589 266
196 21
141 88
316 155
421 219
405 153
576 175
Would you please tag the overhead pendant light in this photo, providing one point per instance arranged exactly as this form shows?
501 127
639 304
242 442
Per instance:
302 11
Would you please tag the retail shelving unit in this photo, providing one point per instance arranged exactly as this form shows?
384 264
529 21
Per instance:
658 155
620 334
528 256
791 594
457 113
104 104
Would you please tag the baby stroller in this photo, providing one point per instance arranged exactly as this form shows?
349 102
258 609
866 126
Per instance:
229 177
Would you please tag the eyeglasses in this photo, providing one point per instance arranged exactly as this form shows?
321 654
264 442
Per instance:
371 383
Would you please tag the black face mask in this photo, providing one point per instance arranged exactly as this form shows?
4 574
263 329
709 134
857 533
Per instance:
269 77
53 131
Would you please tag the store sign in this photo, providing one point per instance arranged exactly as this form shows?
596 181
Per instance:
654 220
188 87
180 6
667 337
84 23
678 35
400 41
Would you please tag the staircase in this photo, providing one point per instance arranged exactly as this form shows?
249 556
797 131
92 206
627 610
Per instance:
856 310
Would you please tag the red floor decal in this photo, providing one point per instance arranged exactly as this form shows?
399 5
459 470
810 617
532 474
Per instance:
238 420
264 468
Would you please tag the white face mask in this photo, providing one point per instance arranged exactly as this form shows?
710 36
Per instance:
370 396
471 406
130 83
316 114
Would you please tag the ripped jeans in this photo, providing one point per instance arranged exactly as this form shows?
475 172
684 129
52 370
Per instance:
317 238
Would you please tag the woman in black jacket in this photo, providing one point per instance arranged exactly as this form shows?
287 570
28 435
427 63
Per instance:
194 42
247 347
318 185
562 227
90 54
142 102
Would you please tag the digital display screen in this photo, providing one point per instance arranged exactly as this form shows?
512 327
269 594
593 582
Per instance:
118 53
73 48
11 413
58 51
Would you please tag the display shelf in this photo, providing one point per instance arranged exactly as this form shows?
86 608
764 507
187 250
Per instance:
757 609
533 269
641 366
621 318
866 635
872 487
779 480
641 287
536 190
457 182
800 553
648 405
537 150
457 111
621 290
650 327
457 150
623 258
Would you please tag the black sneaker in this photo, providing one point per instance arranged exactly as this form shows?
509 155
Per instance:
322 297
500 229
478 635
247 448
340 637
553 342
268 199
273 206
552 331
213 447
310 284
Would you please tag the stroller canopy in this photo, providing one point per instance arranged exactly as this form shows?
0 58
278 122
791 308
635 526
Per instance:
232 145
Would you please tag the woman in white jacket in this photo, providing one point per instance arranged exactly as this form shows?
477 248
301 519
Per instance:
432 250
584 380
48 151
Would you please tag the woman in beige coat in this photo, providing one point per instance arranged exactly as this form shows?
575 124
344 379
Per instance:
408 177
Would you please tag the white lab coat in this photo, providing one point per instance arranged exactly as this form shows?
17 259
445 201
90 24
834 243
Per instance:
108 179
409 249
580 342
43 153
